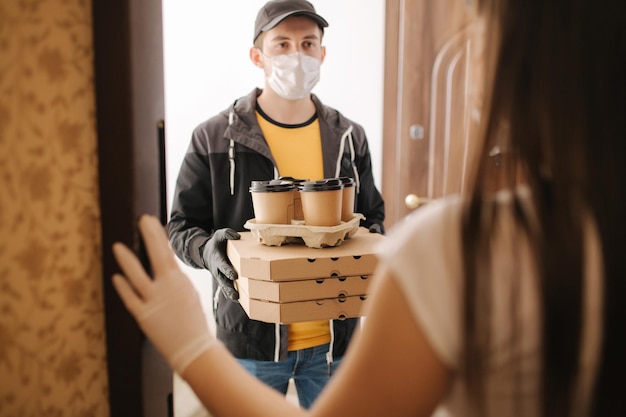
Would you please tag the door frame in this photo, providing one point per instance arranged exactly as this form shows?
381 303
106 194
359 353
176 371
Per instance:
391 87
128 63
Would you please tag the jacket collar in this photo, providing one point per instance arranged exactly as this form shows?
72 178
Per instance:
244 128
245 107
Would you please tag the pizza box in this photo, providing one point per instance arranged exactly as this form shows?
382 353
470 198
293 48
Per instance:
339 308
354 257
303 290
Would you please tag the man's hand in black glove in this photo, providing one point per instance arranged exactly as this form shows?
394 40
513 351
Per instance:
216 261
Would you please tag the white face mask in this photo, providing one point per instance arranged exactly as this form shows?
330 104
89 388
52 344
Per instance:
294 75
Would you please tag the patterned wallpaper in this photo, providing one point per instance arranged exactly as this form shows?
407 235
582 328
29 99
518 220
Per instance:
52 346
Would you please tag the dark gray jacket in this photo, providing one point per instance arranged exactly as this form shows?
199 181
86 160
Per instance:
226 153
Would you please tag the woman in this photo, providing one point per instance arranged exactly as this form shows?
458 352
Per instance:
503 305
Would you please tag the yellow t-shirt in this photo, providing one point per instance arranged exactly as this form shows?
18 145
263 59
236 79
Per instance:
297 150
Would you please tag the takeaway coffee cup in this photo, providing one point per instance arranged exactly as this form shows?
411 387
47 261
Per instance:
297 202
347 200
321 201
272 201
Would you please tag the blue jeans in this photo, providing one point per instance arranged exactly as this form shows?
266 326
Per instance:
308 367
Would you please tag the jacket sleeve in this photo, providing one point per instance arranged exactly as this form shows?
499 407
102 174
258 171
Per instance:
369 201
191 219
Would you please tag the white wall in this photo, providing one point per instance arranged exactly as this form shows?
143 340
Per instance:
206 44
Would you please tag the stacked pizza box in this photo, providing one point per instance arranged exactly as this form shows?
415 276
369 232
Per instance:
296 283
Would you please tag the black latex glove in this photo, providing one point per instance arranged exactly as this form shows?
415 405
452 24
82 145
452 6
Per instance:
216 261
376 228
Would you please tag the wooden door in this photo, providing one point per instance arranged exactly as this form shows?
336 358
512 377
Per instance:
427 123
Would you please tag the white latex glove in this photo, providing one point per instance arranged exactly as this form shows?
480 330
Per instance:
168 308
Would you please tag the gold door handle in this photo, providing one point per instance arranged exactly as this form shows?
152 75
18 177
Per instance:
412 201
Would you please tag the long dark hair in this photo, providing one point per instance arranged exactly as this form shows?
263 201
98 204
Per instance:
556 91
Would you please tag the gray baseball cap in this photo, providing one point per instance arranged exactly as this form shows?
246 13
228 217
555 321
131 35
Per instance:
276 11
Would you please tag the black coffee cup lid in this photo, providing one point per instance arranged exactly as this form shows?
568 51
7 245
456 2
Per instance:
347 181
271 186
296 181
327 184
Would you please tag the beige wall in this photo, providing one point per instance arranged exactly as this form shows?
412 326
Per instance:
52 345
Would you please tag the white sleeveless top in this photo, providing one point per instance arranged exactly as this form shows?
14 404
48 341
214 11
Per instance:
424 254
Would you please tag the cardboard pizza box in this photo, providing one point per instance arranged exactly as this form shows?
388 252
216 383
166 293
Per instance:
303 290
339 308
354 257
